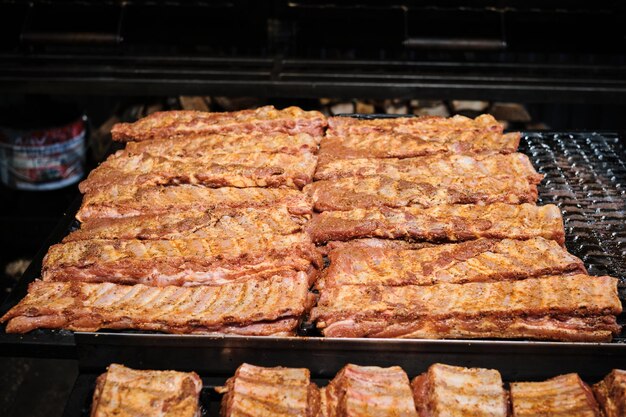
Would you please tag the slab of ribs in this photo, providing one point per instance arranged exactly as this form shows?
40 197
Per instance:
257 221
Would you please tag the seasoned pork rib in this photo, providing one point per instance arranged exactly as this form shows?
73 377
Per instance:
368 391
185 262
611 393
441 223
258 391
409 137
185 123
125 392
380 191
222 144
264 307
472 261
452 391
212 224
421 127
222 170
123 201
562 396
567 308
447 166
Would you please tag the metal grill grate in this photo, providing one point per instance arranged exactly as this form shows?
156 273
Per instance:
586 178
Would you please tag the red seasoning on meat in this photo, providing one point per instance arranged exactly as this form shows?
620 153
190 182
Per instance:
223 170
447 166
452 391
216 144
185 262
380 191
472 261
126 201
187 123
562 396
349 138
210 224
125 392
276 392
433 126
270 307
450 223
566 308
611 393
368 391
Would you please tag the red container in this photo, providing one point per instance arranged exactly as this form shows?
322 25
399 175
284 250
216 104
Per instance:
43 159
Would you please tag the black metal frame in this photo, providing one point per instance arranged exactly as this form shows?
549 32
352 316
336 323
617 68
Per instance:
283 77
556 51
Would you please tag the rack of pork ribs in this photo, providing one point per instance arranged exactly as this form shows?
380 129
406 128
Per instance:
220 223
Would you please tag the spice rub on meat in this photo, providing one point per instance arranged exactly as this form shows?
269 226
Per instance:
368 391
611 393
450 223
562 396
125 201
185 262
276 392
447 166
125 392
453 391
216 144
222 170
380 191
471 261
209 224
349 138
187 123
273 306
566 308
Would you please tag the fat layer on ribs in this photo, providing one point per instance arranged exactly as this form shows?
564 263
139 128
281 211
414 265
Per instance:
450 223
198 146
223 170
380 191
407 137
126 201
185 262
360 391
471 261
568 308
452 391
611 393
562 396
125 392
447 166
269 392
254 307
186 123
210 224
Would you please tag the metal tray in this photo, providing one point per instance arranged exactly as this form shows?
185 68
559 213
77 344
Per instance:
585 177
